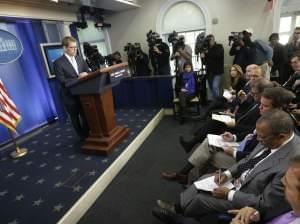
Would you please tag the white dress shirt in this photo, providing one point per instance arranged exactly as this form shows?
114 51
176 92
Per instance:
73 62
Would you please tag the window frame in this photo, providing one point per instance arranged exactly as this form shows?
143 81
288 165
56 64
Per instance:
294 16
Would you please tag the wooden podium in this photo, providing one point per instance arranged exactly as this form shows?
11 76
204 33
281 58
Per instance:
95 91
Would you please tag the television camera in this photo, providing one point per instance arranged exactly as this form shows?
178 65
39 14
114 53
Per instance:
93 58
202 44
235 37
176 41
134 52
153 39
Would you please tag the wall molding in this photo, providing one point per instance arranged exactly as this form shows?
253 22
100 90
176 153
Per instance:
168 4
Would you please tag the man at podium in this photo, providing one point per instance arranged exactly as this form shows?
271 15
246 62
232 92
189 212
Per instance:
68 68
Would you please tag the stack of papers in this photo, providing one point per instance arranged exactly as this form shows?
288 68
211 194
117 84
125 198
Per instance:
208 184
227 94
217 141
223 118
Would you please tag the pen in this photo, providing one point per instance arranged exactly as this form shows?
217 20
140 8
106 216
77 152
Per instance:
219 176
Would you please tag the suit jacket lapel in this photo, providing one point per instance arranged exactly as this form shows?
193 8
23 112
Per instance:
78 63
70 66
270 162
247 113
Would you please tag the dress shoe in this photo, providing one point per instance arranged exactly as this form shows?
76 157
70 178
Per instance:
166 206
185 145
173 176
164 215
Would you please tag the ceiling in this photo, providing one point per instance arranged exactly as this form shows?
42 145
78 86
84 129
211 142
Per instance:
109 5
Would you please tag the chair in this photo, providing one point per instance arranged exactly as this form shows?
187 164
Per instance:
197 100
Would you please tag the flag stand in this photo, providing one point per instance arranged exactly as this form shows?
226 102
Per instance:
20 152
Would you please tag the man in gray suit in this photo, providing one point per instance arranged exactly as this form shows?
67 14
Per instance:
69 68
257 178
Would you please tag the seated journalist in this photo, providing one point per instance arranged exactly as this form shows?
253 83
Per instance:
256 179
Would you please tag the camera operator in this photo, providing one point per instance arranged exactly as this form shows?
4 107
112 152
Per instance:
159 54
141 61
213 58
181 52
243 49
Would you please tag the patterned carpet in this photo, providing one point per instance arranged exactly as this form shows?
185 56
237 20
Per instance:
42 186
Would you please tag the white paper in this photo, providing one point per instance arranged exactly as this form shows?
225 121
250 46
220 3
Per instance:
223 118
208 184
227 94
217 140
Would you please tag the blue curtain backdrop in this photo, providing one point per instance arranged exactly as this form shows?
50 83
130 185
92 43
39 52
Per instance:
26 79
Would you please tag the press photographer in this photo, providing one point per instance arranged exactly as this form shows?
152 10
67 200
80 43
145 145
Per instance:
138 61
243 49
93 58
159 54
212 55
181 51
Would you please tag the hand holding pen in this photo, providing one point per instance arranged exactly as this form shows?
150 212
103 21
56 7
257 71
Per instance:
220 178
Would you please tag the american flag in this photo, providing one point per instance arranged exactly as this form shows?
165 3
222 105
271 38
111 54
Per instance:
9 115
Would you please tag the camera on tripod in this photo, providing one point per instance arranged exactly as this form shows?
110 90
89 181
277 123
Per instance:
134 52
176 41
153 39
109 59
202 43
94 58
235 37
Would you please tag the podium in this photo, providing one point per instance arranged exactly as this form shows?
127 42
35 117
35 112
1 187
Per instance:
95 92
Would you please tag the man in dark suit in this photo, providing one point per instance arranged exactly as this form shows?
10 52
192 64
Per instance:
257 178
69 68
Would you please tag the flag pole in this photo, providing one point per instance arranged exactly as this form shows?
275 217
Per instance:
20 152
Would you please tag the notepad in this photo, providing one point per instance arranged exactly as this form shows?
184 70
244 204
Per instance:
227 94
208 184
223 118
217 141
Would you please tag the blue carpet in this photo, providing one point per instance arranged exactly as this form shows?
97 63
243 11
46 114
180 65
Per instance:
42 186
